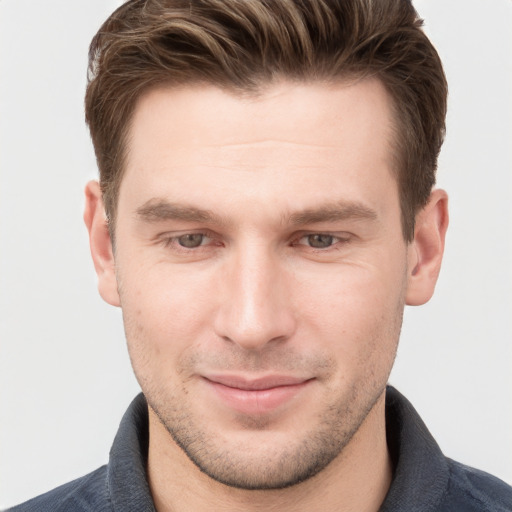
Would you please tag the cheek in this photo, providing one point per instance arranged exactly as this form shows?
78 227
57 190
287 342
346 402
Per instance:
164 317
356 313
162 298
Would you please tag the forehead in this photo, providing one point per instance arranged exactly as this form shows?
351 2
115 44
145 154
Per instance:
305 139
299 111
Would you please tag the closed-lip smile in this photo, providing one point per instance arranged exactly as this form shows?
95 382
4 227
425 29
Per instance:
255 395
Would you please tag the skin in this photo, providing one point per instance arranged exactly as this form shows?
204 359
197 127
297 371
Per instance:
260 238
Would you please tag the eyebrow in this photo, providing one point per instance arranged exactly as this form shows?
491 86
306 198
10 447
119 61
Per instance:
334 212
156 210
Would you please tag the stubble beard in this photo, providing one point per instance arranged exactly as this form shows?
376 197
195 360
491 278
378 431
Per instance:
240 466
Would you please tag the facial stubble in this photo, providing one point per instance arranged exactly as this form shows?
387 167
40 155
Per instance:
256 463
236 463
297 462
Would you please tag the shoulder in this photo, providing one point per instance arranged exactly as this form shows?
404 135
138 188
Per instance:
476 490
86 494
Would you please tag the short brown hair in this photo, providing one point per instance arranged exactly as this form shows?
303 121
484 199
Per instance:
243 45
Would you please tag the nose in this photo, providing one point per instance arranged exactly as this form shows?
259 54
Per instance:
255 300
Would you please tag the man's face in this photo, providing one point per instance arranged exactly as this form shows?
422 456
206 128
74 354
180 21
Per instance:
262 272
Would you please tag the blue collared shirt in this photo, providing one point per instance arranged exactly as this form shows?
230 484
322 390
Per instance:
424 479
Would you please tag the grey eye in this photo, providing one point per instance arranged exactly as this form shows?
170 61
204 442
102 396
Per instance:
191 240
320 241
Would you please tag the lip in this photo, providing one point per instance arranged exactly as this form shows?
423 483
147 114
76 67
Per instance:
256 396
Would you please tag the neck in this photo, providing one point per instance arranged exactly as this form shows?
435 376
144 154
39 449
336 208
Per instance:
358 479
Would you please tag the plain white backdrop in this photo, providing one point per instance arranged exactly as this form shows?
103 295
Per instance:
65 377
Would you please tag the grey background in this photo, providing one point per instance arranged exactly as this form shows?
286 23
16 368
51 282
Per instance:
65 378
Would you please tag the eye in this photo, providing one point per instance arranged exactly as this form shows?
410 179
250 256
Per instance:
192 240
319 240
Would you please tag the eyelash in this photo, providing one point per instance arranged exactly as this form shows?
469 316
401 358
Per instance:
169 242
173 241
336 239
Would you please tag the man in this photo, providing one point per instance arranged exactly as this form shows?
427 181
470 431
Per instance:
265 211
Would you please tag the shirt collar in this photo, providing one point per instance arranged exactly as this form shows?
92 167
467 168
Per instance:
420 470
126 472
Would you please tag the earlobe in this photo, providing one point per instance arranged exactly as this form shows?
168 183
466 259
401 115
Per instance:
427 248
100 243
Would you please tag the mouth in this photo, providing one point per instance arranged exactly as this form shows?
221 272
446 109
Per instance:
256 396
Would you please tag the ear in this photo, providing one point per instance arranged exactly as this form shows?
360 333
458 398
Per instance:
100 243
425 252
